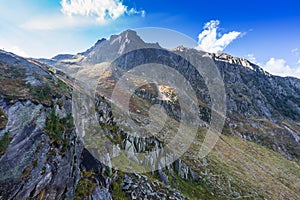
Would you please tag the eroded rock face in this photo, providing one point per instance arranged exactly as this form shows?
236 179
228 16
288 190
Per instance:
93 171
101 194
156 159
223 57
139 187
42 159
261 107
32 165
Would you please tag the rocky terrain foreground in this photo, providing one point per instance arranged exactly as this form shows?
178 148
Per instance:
44 144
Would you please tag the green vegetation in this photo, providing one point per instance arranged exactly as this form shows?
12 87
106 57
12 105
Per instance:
4 142
53 127
268 134
17 71
56 127
192 189
14 85
84 189
45 92
115 135
248 169
62 86
118 193
85 186
52 70
189 188
40 93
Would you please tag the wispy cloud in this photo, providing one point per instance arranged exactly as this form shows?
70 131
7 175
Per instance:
295 51
133 11
210 40
55 22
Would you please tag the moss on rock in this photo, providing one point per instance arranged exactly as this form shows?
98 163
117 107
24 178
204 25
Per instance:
3 119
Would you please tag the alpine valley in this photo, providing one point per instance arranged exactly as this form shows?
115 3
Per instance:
43 154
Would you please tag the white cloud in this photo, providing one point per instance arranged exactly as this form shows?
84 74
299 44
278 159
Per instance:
211 41
277 67
103 10
14 49
81 13
280 68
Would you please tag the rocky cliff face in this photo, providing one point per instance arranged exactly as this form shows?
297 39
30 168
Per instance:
35 164
261 107
42 154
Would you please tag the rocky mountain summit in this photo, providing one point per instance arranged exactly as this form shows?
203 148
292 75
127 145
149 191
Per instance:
44 146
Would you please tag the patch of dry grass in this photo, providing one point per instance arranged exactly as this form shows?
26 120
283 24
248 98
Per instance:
253 170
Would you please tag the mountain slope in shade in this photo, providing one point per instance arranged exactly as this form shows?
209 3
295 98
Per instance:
256 157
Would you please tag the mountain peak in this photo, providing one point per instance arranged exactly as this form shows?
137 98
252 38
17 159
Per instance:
130 34
125 38
116 45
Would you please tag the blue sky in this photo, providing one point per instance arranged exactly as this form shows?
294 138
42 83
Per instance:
266 32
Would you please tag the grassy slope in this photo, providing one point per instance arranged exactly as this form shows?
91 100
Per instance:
252 170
